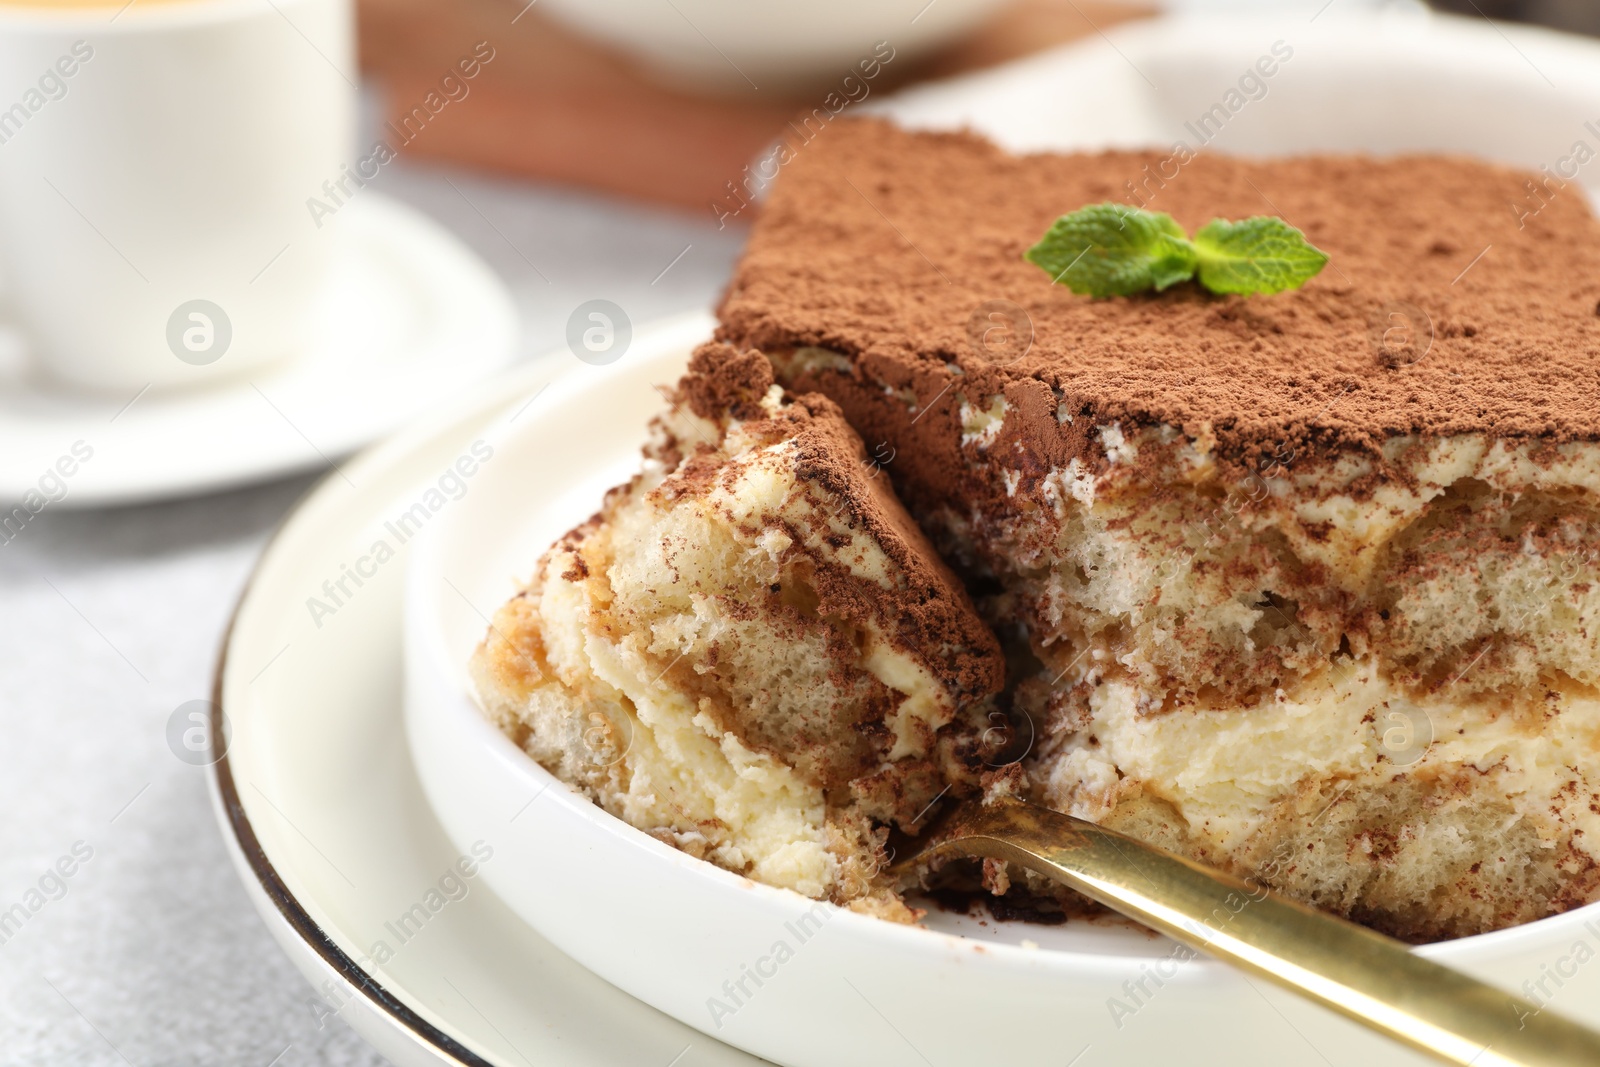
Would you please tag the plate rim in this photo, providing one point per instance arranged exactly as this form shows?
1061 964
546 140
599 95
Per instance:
240 835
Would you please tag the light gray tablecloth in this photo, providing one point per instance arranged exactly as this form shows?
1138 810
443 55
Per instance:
111 619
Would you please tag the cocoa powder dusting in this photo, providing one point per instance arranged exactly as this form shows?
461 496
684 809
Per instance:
880 244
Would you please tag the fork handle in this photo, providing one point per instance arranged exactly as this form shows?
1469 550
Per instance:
1373 979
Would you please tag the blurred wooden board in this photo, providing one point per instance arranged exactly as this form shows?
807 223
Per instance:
552 106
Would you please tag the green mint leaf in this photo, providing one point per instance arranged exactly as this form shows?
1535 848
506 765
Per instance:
1258 255
1115 250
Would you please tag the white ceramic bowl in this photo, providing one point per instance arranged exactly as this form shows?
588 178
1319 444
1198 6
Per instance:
745 45
678 933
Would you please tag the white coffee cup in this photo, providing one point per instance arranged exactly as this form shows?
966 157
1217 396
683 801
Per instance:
156 161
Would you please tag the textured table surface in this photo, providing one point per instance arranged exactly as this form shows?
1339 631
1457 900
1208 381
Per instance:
109 620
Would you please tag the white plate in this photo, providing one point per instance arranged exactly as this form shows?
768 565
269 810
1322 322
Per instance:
325 732
410 315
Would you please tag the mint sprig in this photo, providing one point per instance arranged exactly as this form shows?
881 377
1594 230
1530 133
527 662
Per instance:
1262 254
1113 250
1117 250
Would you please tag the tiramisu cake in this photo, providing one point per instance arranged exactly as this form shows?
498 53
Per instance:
1301 584
751 651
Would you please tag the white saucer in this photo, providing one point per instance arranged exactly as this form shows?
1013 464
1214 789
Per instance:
410 316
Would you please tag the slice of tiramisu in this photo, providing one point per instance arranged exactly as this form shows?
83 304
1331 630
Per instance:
751 651
1311 578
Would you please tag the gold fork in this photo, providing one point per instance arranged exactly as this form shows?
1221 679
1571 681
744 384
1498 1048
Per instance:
1373 979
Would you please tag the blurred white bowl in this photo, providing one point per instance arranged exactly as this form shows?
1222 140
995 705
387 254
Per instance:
768 44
